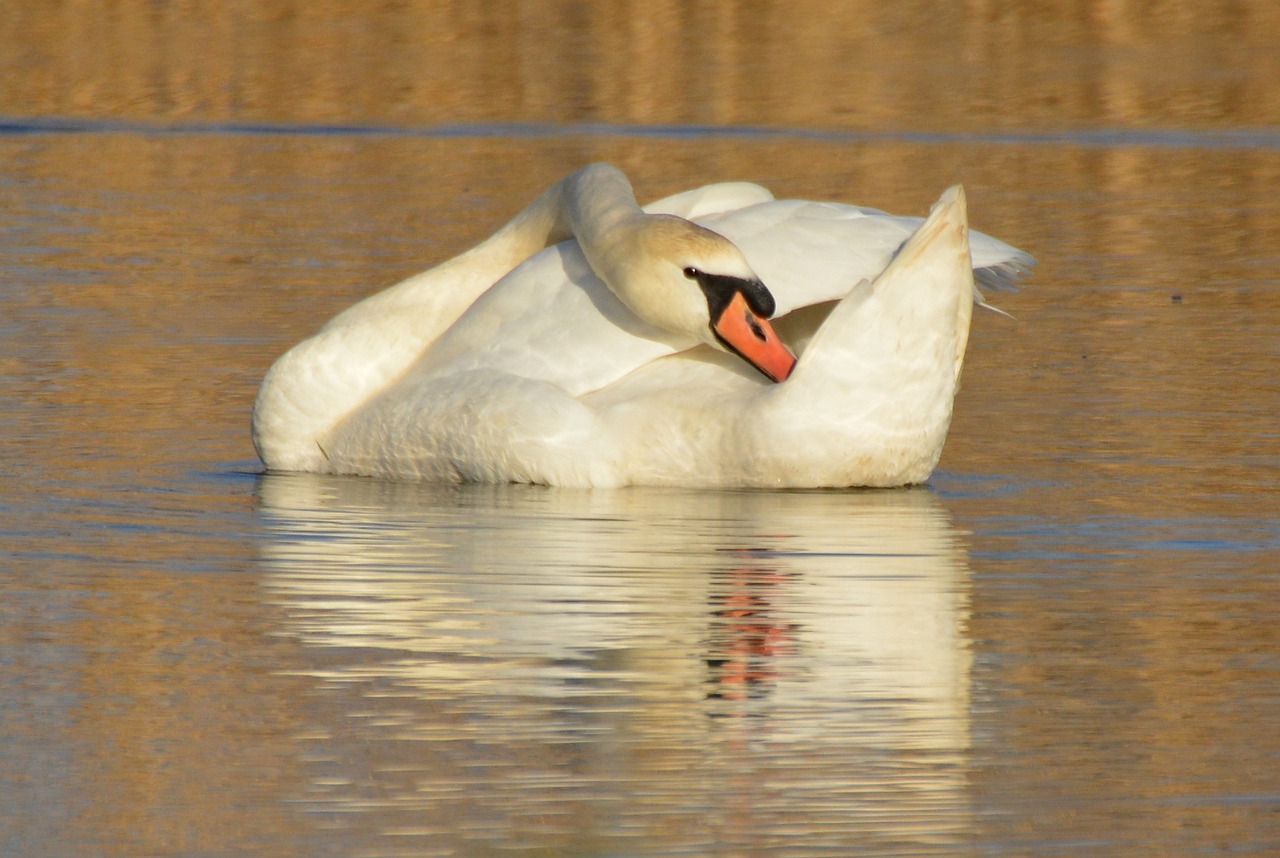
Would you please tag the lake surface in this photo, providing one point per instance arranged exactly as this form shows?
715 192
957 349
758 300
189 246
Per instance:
1068 643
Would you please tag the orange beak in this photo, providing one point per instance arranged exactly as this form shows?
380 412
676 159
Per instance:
752 338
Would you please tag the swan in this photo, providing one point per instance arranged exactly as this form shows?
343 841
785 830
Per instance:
593 343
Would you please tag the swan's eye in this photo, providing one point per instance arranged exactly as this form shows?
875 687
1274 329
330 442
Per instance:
692 273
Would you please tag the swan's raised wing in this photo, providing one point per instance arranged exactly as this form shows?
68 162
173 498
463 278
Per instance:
553 320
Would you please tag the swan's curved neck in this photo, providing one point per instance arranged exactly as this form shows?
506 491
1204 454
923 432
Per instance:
597 204
593 204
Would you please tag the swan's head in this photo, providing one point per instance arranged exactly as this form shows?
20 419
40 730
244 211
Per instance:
685 278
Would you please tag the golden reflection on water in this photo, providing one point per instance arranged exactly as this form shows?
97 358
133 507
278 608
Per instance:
706 660
856 63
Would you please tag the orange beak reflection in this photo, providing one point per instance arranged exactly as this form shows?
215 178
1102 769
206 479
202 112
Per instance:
753 339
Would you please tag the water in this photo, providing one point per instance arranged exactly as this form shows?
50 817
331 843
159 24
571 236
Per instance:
1066 644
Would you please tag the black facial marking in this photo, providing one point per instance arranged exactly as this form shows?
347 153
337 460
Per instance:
720 289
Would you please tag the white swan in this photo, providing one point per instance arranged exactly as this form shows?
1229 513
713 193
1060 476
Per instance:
602 361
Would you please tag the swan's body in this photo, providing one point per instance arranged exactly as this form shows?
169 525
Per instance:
595 362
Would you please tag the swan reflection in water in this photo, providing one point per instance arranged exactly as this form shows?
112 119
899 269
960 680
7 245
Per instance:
666 660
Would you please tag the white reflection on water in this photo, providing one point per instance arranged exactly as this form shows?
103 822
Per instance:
526 666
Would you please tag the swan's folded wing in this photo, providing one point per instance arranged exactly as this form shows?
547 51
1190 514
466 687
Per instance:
811 252
807 252
551 319
711 199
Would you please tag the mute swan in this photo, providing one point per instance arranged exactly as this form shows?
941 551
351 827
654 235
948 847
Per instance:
592 343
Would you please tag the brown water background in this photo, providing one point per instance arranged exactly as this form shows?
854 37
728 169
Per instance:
1069 643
